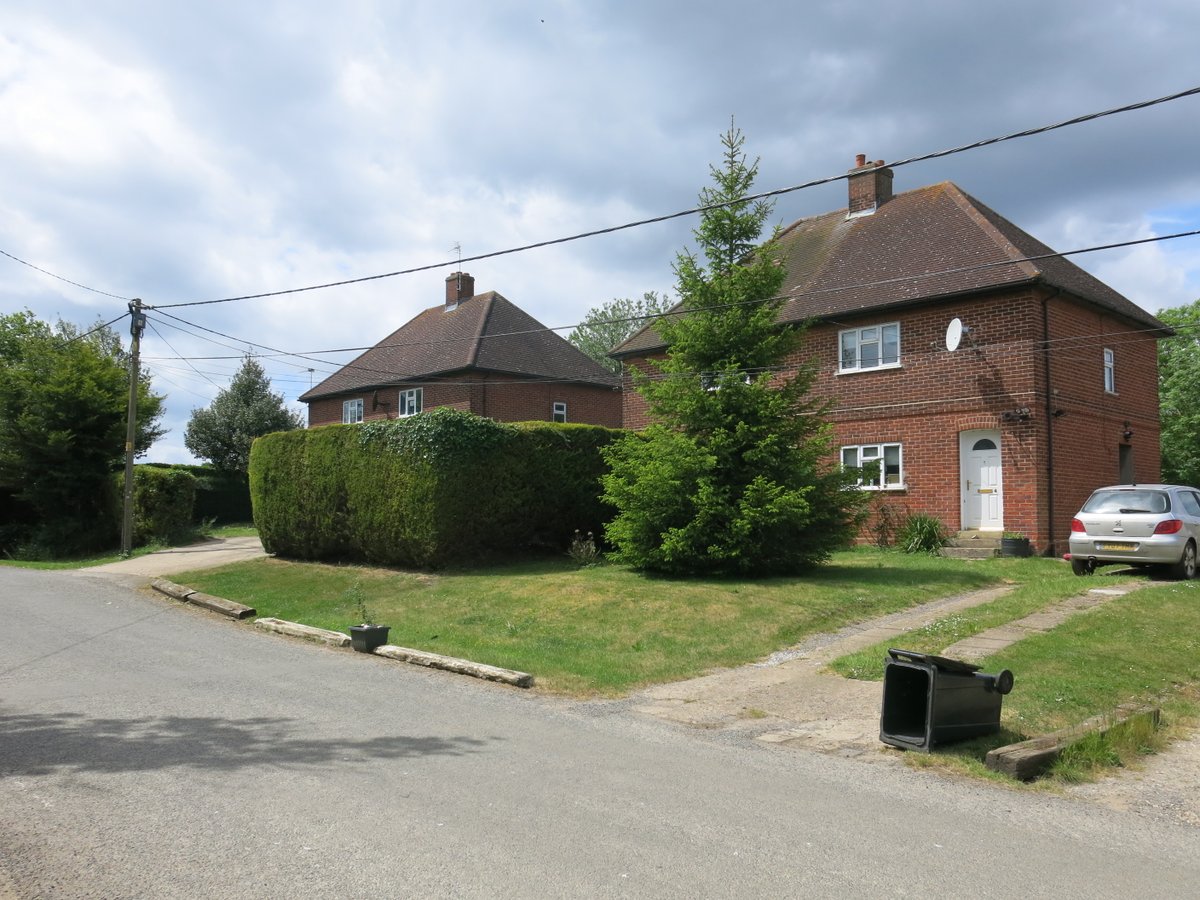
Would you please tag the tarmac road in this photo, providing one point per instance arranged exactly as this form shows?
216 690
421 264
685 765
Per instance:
149 749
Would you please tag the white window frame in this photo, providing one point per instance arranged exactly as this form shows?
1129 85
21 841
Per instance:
866 454
352 411
855 339
409 402
1110 371
558 411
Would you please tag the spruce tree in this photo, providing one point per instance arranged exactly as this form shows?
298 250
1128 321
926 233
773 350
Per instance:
732 478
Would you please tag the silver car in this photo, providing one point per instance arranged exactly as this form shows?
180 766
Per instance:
1138 524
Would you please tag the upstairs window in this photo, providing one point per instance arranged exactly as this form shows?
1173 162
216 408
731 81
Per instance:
410 403
352 411
1110 381
558 412
878 466
872 347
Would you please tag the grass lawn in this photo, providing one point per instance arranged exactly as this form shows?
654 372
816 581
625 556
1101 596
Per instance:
1143 646
606 630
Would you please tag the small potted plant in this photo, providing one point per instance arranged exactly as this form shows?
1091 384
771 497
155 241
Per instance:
1014 543
366 636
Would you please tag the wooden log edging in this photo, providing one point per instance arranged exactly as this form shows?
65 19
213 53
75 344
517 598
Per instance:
216 604
1028 759
452 664
308 632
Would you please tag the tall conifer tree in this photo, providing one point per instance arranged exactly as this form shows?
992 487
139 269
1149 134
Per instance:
732 476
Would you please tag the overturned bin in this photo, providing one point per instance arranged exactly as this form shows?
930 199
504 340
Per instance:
930 700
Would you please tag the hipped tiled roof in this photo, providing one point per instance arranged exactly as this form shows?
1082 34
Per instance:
839 266
484 333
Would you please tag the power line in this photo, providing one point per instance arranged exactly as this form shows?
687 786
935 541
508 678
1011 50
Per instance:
309 354
61 278
173 350
986 142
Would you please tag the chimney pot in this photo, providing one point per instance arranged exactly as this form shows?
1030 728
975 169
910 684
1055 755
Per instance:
860 160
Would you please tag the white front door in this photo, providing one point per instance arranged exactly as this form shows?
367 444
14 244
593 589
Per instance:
982 480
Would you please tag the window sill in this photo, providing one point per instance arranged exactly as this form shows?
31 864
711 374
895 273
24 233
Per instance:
866 371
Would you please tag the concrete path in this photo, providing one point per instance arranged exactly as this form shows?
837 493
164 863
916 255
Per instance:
994 640
204 555
791 699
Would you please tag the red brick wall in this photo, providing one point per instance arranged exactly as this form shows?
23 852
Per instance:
999 368
502 398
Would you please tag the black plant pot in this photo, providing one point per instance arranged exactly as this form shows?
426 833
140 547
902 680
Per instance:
365 638
1015 546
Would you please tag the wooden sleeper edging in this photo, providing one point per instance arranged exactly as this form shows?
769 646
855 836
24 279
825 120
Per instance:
452 664
1028 759
216 604
295 629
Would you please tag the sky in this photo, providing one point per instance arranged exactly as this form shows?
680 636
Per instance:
181 152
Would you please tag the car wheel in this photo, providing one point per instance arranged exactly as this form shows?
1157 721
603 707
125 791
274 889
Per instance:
1186 567
1083 566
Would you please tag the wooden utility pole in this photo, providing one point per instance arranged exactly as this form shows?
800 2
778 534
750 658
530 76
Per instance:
136 326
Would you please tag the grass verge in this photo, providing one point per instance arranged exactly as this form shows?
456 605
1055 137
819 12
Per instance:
605 630
1143 646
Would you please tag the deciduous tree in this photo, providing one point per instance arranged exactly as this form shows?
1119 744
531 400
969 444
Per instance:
1179 395
609 324
223 433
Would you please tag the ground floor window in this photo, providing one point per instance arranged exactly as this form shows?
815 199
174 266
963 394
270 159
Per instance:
410 403
558 412
352 411
878 466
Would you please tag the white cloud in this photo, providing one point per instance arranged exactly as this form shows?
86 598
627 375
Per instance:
198 151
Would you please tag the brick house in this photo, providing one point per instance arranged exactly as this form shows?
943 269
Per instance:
1050 391
475 352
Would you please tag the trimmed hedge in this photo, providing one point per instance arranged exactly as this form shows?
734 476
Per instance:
221 496
435 489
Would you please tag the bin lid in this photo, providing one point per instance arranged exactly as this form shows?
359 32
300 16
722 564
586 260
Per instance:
942 662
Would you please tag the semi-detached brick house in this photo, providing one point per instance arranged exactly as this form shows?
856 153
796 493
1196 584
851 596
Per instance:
478 353
1051 391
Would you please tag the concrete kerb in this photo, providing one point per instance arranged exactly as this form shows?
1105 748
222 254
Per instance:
339 639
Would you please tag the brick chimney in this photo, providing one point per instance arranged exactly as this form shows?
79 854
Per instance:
459 287
870 186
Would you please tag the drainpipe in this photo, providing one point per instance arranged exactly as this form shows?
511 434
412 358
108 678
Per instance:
1049 419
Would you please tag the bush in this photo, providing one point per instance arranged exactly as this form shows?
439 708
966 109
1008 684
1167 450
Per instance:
163 503
437 488
922 534
222 497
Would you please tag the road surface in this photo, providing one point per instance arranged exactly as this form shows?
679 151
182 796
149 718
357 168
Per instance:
149 749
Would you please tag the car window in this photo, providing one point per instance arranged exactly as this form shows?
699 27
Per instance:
1190 504
1128 502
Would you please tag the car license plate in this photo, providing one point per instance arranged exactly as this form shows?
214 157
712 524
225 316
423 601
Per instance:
1117 548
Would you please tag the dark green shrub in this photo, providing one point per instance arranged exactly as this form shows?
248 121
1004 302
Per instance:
163 501
922 533
222 497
